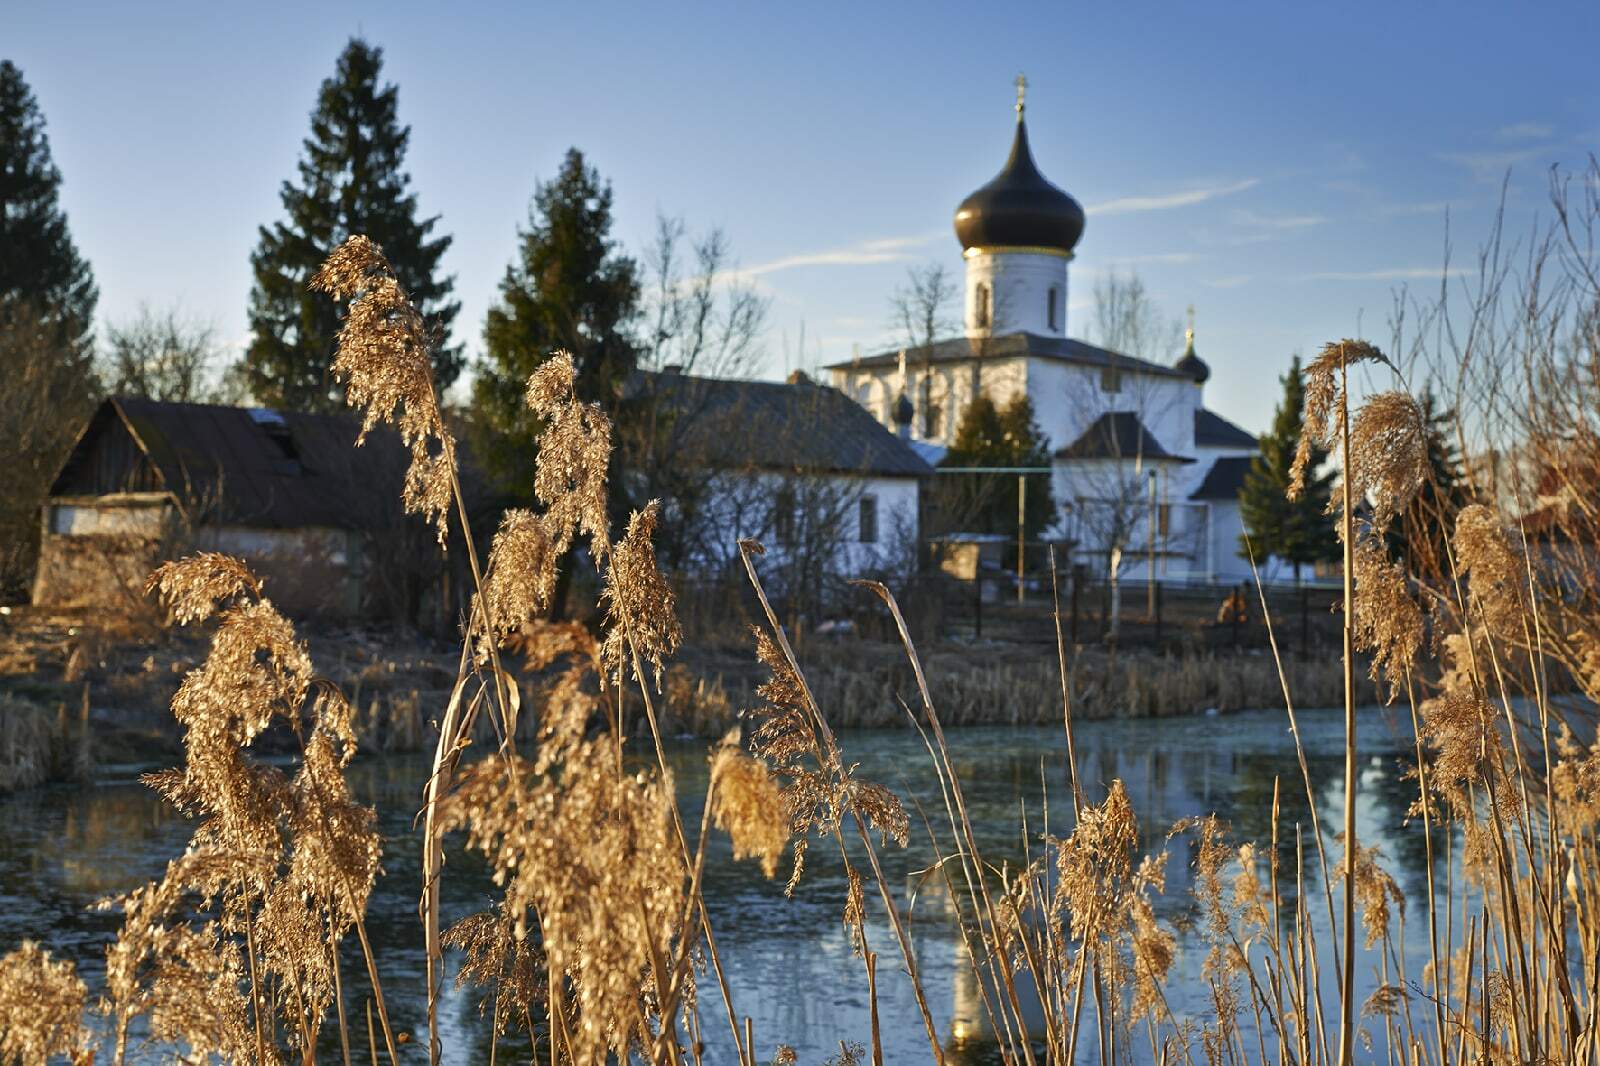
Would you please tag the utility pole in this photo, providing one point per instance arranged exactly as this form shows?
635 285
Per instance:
1022 512
1150 553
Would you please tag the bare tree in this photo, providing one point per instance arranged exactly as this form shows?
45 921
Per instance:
1111 512
921 307
702 317
49 392
162 355
1127 320
703 320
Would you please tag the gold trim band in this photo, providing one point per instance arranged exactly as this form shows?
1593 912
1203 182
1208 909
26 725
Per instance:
1025 249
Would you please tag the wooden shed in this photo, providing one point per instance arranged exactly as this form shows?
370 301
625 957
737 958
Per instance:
317 517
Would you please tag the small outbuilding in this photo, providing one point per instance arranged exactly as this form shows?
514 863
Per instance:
316 516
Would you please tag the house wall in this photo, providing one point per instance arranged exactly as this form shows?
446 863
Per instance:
740 506
99 553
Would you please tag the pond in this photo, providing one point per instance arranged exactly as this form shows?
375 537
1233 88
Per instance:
789 960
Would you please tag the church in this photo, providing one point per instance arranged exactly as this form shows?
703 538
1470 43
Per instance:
1142 472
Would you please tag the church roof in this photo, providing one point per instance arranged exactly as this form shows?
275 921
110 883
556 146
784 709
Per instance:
1224 480
1032 345
1211 430
1019 207
1118 435
801 427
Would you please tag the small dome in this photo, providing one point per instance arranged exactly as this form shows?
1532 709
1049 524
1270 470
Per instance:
903 411
1192 364
1019 208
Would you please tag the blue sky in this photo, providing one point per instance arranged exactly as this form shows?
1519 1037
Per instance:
1279 166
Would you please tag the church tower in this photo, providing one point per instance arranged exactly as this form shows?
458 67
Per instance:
1017 234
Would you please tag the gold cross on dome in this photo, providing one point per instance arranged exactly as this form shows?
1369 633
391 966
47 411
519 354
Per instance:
1191 322
1022 90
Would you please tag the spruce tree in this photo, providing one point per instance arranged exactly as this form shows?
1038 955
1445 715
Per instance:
351 182
40 268
570 288
987 503
1297 531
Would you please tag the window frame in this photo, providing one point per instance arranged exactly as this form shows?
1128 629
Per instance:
867 518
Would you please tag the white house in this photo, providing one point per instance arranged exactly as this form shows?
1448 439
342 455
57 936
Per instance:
827 489
1134 447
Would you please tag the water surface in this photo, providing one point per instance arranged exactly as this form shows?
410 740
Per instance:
789 961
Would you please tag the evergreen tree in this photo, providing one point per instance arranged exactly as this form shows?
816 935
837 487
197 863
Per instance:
39 265
987 503
351 182
1297 531
1417 539
571 289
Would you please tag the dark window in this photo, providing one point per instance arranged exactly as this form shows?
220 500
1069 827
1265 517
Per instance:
783 516
1052 310
980 309
1110 379
868 524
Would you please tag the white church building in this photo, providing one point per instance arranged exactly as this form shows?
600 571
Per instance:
1134 449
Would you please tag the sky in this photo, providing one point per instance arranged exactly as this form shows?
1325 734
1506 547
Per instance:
1281 167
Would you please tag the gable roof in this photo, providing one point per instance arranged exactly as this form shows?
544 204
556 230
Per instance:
1225 478
1032 345
241 466
1211 430
801 427
1118 435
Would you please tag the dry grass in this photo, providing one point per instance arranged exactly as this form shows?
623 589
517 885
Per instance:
592 951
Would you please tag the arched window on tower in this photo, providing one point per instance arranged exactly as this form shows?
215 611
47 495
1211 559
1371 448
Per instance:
980 309
1053 309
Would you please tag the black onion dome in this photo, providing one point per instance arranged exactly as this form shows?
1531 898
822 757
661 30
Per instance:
1192 364
1019 208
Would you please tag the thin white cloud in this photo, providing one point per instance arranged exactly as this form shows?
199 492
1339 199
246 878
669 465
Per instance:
1130 204
1525 131
1232 281
1258 220
1392 274
862 253
1432 207
1491 165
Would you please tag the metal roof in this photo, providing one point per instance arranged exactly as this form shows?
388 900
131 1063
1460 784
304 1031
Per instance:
767 425
1011 345
1211 430
243 466
1118 435
1225 478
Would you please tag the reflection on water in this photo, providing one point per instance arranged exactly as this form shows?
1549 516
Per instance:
789 961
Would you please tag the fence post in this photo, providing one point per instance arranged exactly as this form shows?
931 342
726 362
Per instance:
1077 580
977 604
1160 595
1305 625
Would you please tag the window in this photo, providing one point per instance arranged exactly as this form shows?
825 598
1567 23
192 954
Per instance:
1164 520
867 524
864 394
1052 313
980 305
1110 379
783 516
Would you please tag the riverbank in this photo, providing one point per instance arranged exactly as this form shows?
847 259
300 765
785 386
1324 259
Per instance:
73 692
